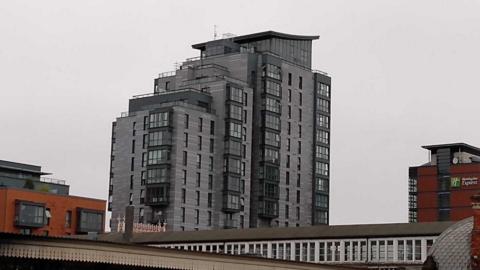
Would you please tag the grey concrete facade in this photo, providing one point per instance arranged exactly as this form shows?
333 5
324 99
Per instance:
261 94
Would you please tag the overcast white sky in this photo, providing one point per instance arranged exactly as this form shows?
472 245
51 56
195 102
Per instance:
404 74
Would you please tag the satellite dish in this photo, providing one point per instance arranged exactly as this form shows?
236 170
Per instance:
455 160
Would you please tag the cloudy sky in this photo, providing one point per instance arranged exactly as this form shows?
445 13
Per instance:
405 74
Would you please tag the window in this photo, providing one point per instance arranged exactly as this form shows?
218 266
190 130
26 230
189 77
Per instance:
235 112
144 159
287 195
289 128
158 138
209 218
200 124
299 147
199 178
244 133
271 173
300 115
132 164
444 200
209 200
90 221
185 141
210 182
299 131
197 197
184 177
322 121
287 212
183 214
273 72
289 95
141 214
245 99
142 196
272 139
244 151
289 78
272 105
212 127
321 200
184 195
288 144
287 178
297 212
235 130
271 155
322 137
235 94
300 82
212 145
232 201
245 116
68 219
145 141
145 122
323 105
199 143
243 169
323 90
143 178
233 147
322 184
272 122
299 177
298 196
158 175
187 120
272 88
199 161
321 217
133 146
131 181
233 165
300 99
210 163
158 156
321 168
289 112
232 183
131 199
159 119
184 159
321 152
288 161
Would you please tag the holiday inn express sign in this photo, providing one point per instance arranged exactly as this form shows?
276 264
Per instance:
456 182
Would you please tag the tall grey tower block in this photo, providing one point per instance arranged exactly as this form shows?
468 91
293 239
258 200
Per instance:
238 137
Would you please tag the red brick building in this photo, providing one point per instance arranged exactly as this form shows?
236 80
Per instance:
441 189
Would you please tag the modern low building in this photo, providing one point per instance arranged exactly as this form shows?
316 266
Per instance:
440 189
376 246
238 137
31 204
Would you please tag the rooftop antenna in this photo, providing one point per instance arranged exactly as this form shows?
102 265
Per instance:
215 32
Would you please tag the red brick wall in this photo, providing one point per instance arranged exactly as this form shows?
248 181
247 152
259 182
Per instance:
427 186
58 204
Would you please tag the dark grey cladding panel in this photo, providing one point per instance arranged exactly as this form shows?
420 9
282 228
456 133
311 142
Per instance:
413 172
323 78
443 161
191 97
270 59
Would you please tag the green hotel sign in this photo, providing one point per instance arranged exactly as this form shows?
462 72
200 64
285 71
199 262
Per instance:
455 182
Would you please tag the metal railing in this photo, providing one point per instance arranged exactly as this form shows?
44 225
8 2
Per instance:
169 92
52 180
166 74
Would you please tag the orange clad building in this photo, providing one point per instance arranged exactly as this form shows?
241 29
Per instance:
33 204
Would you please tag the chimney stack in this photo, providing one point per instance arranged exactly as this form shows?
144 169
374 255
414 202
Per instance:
128 233
475 244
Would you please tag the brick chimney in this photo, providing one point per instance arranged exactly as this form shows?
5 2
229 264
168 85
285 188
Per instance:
475 244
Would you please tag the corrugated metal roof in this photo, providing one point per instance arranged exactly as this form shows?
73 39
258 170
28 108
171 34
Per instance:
288 233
